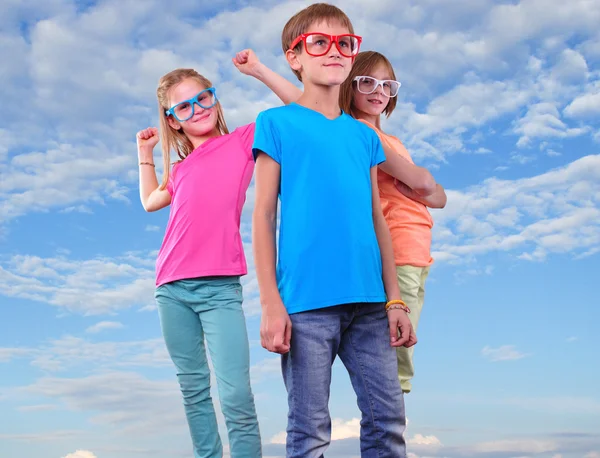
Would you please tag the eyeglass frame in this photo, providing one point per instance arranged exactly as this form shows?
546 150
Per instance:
379 83
332 39
193 101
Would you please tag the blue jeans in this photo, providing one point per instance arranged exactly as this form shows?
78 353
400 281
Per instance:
190 311
359 334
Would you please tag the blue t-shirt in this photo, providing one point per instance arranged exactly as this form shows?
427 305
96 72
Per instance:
328 250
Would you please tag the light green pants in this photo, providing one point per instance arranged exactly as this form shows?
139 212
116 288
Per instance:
411 280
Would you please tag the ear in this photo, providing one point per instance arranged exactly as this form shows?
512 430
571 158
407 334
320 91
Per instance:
173 123
293 60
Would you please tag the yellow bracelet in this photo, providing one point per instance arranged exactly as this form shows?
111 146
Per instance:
399 302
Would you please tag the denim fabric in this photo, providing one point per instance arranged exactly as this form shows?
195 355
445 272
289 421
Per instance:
358 333
211 308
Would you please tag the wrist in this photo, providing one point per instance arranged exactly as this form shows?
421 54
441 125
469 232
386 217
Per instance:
146 154
396 304
258 71
271 302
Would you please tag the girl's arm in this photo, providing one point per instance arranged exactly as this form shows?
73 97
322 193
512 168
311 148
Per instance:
248 63
275 325
152 198
398 319
416 178
437 199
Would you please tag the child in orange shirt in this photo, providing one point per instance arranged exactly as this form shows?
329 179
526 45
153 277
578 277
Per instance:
405 189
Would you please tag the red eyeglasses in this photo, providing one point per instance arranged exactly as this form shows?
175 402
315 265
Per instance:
318 44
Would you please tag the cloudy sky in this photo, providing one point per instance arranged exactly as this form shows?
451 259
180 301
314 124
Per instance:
501 100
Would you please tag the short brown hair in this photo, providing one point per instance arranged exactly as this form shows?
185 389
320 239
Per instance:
302 20
172 139
364 64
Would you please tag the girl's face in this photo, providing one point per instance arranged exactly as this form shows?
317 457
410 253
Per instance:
373 104
204 120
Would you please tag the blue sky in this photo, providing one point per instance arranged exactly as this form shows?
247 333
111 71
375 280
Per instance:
501 100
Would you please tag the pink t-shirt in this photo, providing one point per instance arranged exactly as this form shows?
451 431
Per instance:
208 191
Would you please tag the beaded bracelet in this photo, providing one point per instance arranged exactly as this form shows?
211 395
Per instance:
400 305
397 307
147 163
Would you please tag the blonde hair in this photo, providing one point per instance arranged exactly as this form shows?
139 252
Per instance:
301 21
175 139
366 62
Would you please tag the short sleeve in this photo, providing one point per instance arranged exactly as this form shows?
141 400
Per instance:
266 138
377 154
246 136
170 180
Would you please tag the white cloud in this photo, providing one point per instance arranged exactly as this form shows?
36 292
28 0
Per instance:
516 446
8 354
152 228
543 121
81 454
586 105
340 429
90 287
555 212
107 399
70 352
503 353
266 369
103 326
419 439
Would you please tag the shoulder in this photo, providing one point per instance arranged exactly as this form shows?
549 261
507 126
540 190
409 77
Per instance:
244 130
361 128
276 112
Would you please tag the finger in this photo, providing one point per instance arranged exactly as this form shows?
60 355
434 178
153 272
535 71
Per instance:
242 57
263 340
404 334
393 330
288 333
235 62
412 341
278 341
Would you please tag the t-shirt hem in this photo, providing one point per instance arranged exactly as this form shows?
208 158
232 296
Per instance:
202 273
333 303
404 262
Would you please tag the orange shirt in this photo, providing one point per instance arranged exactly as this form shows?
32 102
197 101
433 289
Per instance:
410 222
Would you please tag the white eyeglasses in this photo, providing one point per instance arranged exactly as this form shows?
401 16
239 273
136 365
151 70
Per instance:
368 85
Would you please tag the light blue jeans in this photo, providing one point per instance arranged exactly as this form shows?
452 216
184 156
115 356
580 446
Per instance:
359 335
211 308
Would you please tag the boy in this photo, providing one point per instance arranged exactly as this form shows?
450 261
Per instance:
326 297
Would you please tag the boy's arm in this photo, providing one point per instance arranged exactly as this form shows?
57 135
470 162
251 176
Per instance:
275 326
437 199
417 178
248 63
398 319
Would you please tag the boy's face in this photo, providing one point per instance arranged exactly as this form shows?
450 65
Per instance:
330 69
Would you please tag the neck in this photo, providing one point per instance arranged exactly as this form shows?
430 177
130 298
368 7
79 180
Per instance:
199 140
372 119
324 99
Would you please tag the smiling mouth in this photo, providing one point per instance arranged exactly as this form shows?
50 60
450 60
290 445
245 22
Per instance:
375 101
334 65
202 118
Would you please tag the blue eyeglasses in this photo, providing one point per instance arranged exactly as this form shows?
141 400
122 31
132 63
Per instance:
185 110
